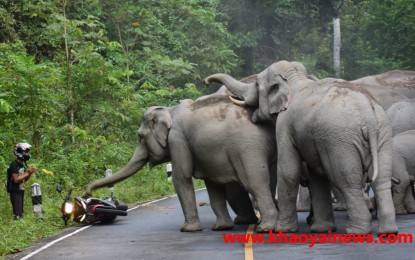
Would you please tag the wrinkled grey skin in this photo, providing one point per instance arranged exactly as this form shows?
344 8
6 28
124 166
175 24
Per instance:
211 139
337 129
401 82
392 91
403 169
402 116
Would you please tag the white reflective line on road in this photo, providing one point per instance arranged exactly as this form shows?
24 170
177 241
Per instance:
53 242
81 229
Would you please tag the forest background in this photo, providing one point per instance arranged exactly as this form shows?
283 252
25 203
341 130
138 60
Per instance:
77 75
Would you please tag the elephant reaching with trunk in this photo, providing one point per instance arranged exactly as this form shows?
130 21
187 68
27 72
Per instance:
210 139
337 129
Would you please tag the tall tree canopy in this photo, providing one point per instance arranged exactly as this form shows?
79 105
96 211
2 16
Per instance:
76 75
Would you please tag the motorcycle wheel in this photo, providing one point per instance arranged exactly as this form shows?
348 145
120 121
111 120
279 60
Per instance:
108 219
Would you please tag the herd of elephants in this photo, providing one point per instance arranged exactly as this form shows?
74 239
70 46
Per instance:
269 134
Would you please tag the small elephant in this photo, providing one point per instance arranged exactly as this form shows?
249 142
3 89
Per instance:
403 169
402 116
338 129
214 140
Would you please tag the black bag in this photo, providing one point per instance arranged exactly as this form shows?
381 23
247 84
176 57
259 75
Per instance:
8 184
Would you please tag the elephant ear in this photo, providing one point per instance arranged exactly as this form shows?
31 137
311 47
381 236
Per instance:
279 96
161 125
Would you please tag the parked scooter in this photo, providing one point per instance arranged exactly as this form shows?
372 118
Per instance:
91 210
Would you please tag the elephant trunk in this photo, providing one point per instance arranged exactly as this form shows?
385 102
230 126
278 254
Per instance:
244 91
137 161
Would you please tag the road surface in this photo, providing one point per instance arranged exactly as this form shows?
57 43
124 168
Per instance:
152 231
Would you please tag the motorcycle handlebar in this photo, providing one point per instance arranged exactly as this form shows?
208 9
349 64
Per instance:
68 196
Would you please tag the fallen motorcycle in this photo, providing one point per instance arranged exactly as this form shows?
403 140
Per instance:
91 210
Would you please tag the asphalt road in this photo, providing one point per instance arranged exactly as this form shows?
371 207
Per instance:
152 232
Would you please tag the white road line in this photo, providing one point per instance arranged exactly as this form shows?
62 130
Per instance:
81 229
53 242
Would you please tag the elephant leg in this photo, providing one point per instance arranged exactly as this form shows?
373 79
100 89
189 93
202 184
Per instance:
399 193
360 218
217 197
254 184
383 194
304 201
346 174
183 183
289 170
321 201
340 205
410 200
240 202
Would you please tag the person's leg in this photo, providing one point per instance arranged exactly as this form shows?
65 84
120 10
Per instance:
17 204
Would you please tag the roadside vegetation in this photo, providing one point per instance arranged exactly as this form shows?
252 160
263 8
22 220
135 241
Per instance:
77 75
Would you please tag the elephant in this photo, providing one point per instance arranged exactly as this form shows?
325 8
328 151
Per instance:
338 129
401 82
402 116
388 87
403 169
211 139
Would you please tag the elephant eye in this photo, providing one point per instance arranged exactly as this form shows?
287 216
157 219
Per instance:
275 86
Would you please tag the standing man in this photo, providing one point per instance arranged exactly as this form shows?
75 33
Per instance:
17 175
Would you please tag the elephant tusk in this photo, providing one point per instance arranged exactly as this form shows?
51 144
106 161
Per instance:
237 101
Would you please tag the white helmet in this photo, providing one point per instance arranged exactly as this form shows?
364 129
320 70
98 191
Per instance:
20 148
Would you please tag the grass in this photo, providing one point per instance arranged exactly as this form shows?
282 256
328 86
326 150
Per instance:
18 235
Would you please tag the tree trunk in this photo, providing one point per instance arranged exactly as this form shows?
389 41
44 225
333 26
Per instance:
336 46
68 71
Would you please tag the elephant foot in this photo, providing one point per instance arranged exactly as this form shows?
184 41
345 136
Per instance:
353 229
322 227
244 220
388 229
223 225
339 206
191 227
401 211
287 228
303 207
411 210
264 227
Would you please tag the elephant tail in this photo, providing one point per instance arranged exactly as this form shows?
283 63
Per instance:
370 132
373 143
376 134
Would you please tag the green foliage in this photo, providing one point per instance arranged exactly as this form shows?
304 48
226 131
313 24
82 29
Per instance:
148 95
79 96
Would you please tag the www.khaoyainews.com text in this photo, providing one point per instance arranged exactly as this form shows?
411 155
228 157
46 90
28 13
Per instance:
312 239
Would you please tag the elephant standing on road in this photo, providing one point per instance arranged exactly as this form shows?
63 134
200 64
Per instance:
403 169
210 139
338 129
392 91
